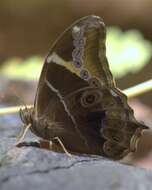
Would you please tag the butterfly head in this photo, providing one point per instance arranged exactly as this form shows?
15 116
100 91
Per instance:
26 115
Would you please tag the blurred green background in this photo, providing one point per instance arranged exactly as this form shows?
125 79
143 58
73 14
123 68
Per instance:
28 28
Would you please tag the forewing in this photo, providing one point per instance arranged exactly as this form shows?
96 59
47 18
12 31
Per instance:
77 57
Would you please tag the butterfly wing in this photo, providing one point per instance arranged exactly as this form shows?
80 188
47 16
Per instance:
81 50
63 74
76 72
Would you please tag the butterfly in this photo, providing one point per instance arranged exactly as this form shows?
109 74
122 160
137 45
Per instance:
77 100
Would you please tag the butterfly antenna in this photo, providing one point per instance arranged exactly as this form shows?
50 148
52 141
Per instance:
62 145
22 134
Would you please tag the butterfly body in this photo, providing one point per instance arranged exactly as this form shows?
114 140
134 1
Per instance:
77 99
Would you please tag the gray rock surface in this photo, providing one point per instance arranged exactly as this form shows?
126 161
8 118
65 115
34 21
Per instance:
31 168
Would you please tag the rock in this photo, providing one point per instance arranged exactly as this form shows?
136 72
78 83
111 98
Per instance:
33 168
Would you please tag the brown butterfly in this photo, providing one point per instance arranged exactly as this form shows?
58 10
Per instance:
77 100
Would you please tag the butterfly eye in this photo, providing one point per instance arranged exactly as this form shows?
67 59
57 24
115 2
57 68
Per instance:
25 115
91 98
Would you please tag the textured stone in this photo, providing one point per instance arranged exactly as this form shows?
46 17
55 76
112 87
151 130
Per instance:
32 168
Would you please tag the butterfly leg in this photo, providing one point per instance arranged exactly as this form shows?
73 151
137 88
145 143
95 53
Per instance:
61 146
52 145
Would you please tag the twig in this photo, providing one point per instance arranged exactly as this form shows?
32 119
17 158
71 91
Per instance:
13 109
130 92
138 89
